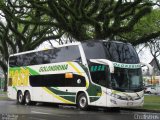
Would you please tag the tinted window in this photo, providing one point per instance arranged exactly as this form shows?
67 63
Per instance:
99 74
113 51
47 80
57 80
121 52
66 54
63 54
12 61
127 79
94 50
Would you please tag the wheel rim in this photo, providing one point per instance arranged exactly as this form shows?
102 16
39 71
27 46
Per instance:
82 102
20 98
27 98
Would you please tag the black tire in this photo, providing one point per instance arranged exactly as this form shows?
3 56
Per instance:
20 98
27 98
82 102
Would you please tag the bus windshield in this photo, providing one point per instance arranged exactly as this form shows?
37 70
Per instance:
126 79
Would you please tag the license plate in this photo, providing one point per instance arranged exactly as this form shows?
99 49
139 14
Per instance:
130 103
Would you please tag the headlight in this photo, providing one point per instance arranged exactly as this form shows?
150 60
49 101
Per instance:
116 96
113 101
124 98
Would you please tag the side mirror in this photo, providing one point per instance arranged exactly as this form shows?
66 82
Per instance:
104 62
149 67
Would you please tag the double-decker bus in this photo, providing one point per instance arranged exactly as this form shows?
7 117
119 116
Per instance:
91 73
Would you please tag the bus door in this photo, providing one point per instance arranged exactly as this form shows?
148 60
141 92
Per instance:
100 76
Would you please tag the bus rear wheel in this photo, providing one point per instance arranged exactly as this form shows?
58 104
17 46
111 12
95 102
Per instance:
27 98
82 102
20 98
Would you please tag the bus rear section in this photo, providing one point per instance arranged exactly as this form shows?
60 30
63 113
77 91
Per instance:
56 75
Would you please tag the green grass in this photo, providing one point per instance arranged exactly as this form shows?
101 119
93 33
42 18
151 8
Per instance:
2 92
152 102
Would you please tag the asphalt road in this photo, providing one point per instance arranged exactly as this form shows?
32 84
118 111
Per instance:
10 110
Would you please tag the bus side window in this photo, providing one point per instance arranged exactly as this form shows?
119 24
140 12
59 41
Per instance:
20 60
63 54
12 61
76 81
99 74
27 59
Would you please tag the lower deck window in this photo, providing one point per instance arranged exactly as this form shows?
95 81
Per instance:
57 80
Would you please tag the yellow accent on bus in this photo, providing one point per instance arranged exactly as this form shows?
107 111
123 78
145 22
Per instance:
75 68
79 72
19 77
58 97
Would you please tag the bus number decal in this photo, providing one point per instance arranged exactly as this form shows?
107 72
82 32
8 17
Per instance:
19 77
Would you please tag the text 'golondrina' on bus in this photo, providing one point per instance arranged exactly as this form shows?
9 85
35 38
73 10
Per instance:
92 73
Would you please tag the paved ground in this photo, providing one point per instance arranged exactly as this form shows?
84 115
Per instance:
9 110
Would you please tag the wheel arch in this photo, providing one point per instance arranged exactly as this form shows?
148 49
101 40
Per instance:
80 92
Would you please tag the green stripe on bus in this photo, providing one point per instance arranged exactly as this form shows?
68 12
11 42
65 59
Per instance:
58 92
14 88
58 97
69 98
32 72
93 99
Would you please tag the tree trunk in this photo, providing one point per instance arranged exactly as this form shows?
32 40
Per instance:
5 81
157 62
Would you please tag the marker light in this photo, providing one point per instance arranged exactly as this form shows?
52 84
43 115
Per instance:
69 75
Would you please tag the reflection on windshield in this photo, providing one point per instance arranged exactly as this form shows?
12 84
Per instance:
126 79
113 51
121 52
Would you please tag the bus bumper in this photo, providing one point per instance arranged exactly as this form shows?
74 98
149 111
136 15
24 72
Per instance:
113 102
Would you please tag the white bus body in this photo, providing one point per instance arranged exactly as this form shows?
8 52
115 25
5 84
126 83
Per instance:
100 73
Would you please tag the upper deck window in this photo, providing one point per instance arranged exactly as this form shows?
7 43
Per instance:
94 50
62 54
113 51
121 52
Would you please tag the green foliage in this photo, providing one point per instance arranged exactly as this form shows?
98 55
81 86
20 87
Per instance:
88 19
146 29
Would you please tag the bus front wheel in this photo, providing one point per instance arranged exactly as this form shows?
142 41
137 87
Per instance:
82 102
20 98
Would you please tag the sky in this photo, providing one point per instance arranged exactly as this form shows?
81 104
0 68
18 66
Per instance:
145 56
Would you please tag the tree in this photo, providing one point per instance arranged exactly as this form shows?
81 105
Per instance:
85 19
154 47
17 37
146 30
